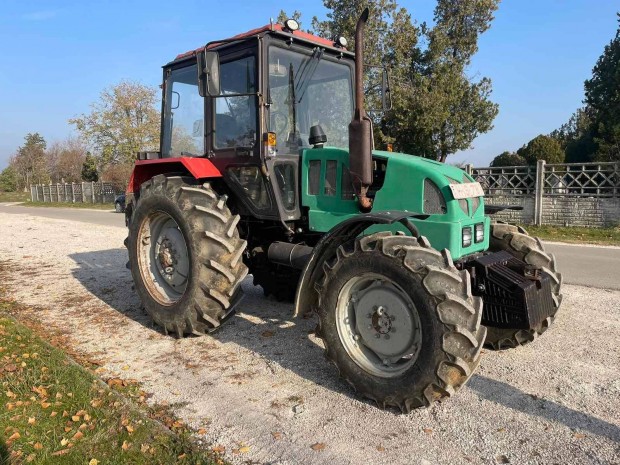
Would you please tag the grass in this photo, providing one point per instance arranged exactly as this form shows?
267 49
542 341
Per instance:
90 206
603 236
14 196
54 411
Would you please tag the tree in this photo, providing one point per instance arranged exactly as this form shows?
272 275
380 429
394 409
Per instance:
89 168
8 180
603 98
508 159
29 161
575 137
542 148
123 122
437 108
65 160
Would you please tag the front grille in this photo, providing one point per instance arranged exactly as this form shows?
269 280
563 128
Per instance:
433 199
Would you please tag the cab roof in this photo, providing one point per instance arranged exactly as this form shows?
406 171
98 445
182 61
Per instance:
306 36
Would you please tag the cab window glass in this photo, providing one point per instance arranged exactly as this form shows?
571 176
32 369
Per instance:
235 115
184 114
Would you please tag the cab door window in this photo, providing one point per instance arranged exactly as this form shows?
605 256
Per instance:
235 115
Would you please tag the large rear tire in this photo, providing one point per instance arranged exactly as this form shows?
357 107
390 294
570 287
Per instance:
185 255
399 320
516 241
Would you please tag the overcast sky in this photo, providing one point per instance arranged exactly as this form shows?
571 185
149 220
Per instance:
57 56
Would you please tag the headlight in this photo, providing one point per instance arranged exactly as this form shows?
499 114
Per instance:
467 236
479 230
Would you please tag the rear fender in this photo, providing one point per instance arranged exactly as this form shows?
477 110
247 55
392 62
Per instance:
306 296
143 170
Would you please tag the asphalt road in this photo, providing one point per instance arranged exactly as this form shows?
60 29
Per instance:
582 265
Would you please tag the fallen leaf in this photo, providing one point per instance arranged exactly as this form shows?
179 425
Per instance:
10 394
61 452
277 435
579 435
125 445
53 414
63 442
219 449
144 448
428 430
93 462
318 446
267 333
129 429
125 367
45 404
78 435
87 417
80 413
14 436
31 420
67 429
38 446
10 368
31 457
244 449
202 431
501 430
381 448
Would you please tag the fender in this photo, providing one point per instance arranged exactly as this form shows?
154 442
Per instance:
306 297
143 170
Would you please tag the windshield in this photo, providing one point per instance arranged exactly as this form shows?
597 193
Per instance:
183 115
306 90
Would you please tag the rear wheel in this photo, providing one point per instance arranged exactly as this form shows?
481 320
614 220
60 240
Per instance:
185 255
520 244
399 320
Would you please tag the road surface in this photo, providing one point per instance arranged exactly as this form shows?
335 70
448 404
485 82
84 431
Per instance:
586 266
261 383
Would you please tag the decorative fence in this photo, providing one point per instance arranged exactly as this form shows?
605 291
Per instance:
85 192
566 194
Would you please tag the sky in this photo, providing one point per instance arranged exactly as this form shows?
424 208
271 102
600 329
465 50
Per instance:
57 56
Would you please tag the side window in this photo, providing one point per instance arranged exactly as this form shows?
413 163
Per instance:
235 115
184 114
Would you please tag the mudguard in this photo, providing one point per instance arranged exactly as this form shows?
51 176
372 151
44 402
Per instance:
305 297
143 170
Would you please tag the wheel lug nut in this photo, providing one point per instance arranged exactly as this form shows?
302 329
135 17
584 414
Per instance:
356 337
386 361
387 336
377 335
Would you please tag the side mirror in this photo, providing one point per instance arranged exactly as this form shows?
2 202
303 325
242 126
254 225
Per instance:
377 88
208 73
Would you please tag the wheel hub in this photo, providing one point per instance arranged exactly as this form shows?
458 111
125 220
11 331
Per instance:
164 257
379 325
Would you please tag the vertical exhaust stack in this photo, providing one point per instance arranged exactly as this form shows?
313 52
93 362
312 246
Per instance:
360 128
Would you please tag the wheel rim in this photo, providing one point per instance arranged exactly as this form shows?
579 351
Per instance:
163 258
378 325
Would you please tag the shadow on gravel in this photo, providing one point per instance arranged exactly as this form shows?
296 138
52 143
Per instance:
262 325
511 397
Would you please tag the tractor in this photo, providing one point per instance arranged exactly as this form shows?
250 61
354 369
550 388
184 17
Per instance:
267 166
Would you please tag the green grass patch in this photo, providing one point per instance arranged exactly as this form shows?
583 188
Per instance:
603 236
54 411
91 206
14 196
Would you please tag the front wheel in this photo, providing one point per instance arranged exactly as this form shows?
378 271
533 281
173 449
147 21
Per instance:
399 320
185 255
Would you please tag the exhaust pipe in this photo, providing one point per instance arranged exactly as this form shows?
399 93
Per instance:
360 128
293 255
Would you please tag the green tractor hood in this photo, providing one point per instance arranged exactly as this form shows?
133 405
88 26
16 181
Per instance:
401 182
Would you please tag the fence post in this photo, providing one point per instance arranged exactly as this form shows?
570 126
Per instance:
469 168
539 192
616 177
72 192
92 183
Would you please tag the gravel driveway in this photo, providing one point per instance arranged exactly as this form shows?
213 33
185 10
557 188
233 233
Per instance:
262 382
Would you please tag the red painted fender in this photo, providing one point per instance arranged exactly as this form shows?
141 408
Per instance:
144 170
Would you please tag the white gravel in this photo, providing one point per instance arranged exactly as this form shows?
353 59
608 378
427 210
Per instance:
554 401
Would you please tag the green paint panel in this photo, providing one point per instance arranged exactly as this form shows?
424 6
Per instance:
403 189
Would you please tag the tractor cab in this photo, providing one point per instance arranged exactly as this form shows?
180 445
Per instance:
280 91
